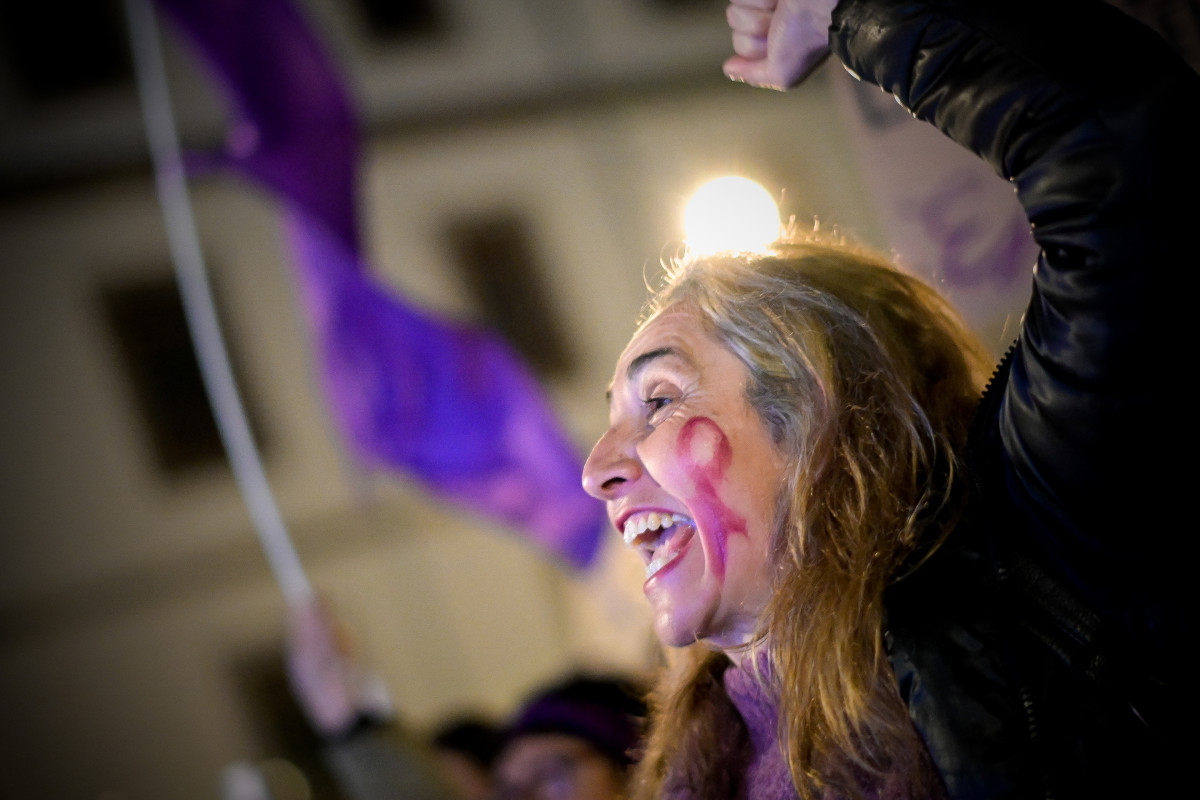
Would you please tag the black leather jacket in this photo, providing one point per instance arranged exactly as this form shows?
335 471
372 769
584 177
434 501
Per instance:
1040 650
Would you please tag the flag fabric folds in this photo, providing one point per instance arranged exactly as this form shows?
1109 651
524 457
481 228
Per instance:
449 404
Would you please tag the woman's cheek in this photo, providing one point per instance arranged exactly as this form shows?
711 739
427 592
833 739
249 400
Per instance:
704 454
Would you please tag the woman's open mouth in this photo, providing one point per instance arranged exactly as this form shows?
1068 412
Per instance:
661 537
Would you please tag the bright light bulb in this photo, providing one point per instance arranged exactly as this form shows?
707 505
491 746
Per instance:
730 213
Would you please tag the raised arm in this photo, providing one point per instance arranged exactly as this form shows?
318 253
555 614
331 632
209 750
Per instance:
1083 451
1095 122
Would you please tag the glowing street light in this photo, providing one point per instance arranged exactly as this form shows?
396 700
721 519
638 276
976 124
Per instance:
730 213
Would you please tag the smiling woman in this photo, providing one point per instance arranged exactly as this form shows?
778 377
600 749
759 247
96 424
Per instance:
767 457
685 448
887 580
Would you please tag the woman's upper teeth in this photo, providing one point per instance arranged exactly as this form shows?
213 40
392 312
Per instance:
638 524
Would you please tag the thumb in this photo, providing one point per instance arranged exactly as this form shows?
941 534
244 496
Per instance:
755 72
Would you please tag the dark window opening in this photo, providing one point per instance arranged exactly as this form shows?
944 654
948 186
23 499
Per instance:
498 262
393 20
155 346
56 50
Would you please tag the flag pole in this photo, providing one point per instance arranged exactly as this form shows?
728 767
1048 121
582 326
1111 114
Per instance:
196 293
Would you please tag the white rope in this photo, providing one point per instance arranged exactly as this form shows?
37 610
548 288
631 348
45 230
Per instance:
198 304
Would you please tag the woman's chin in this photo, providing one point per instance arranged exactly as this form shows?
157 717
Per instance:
673 636
678 626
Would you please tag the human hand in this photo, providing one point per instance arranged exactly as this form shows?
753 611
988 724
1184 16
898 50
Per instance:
328 681
778 42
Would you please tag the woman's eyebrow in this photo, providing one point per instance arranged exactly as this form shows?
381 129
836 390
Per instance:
639 363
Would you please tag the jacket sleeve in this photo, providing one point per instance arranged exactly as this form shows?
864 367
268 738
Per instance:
1096 124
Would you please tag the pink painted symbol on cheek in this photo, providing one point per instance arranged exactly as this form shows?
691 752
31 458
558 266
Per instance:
706 454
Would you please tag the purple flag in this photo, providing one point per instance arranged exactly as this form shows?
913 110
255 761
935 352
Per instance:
450 404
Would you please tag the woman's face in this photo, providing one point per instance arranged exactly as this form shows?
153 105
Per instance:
690 476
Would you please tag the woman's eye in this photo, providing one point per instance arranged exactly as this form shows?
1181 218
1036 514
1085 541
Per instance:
655 405
658 399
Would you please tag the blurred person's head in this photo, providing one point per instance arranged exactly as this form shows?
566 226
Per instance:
465 749
575 740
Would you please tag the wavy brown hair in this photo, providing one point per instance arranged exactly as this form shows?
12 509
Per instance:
867 380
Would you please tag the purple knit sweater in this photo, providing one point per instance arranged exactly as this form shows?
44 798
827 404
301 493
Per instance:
766 776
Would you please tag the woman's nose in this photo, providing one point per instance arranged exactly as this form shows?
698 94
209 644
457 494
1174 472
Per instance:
611 467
